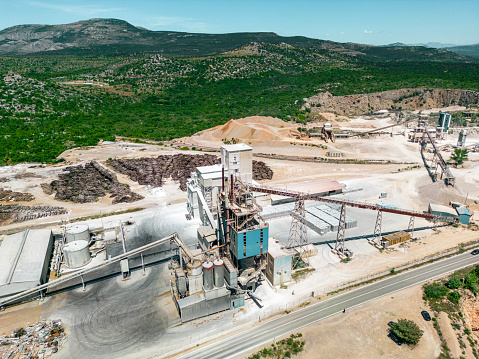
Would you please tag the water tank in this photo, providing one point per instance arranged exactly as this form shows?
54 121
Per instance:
77 232
194 268
219 273
77 254
208 281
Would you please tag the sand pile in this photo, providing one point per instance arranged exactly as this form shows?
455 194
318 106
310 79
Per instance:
253 129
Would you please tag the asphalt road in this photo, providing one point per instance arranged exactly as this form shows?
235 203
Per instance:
247 340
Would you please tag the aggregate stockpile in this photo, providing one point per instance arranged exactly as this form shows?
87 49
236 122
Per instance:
8 195
82 184
153 171
19 213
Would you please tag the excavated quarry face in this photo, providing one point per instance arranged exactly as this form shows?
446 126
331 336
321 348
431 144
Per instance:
407 99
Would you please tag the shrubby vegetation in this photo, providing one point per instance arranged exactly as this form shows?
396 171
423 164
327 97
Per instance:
161 98
407 331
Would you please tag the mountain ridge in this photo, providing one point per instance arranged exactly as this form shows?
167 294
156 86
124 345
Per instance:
113 36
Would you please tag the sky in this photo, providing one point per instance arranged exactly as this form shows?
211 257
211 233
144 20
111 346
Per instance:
376 22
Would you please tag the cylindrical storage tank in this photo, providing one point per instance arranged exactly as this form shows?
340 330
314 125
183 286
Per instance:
208 281
77 254
77 232
219 273
194 268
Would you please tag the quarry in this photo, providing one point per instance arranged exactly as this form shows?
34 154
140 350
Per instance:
149 249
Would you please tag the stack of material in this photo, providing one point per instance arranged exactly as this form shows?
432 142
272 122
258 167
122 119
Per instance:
19 213
10 196
261 171
178 167
349 222
333 222
395 238
274 212
89 183
316 224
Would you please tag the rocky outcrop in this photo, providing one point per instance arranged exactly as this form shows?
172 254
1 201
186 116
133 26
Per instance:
406 99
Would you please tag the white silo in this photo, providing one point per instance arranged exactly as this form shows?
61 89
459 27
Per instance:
77 254
77 232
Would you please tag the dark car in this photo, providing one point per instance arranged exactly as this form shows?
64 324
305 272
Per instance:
426 316
391 323
475 251
395 339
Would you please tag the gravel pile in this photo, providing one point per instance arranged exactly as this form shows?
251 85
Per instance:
88 183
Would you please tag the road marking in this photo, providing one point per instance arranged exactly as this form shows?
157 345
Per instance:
245 333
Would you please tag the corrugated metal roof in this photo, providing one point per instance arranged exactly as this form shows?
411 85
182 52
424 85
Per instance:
462 211
22 256
438 208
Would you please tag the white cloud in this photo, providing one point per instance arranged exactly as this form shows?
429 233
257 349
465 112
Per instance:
368 32
342 32
89 10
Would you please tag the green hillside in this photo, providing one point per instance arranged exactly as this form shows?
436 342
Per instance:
159 97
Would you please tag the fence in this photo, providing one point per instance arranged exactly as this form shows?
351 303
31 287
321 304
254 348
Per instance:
296 300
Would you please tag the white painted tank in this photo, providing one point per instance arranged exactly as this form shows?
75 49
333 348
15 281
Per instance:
77 254
77 232
219 273
194 268
208 281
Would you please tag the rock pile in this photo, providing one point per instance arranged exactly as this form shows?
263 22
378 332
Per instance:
20 213
40 340
261 171
88 183
153 171
10 196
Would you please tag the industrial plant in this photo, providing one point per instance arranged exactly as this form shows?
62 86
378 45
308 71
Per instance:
236 237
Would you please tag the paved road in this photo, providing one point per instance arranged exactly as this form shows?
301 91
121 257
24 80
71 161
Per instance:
256 336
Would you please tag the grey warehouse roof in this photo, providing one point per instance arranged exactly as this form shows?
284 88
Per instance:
22 259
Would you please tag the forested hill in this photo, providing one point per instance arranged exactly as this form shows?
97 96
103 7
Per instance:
113 37
52 103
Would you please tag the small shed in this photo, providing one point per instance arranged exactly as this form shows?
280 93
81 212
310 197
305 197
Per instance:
278 268
464 215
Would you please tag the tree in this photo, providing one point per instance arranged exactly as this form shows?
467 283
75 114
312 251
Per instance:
459 156
407 331
453 283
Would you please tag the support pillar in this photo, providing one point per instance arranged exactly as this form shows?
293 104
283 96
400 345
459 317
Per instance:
339 246
377 228
410 228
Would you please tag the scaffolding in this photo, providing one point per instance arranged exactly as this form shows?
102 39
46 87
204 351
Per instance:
298 235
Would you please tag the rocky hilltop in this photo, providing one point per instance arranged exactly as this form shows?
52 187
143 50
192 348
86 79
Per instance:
113 36
406 99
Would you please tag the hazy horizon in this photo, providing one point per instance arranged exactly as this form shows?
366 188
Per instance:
368 22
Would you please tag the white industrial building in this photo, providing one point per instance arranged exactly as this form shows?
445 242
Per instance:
24 260
205 184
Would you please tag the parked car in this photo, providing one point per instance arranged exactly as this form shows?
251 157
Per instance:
391 323
475 251
395 339
426 316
